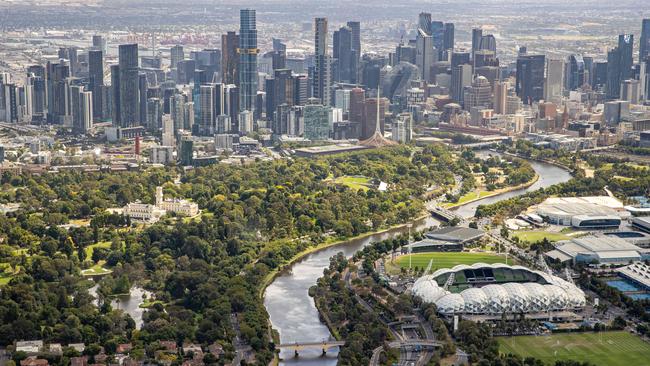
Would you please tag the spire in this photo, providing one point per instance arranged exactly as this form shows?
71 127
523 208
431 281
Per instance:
377 139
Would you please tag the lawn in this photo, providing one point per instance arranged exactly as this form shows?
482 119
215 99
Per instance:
354 182
535 236
96 270
101 244
473 195
604 349
448 260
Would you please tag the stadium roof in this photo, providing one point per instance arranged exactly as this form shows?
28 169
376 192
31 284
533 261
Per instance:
591 206
455 234
547 293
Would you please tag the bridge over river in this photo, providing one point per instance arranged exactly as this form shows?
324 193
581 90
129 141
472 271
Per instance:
324 346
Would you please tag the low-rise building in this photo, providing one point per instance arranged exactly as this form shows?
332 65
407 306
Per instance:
601 212
29 347
598 250
638 273
34 362
448 239
642 223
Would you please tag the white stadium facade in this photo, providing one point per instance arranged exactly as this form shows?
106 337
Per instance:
495 289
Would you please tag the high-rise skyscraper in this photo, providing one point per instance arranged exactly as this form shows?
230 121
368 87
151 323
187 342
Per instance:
247 60
449 31
461 76
208 113
554 76
177 55
424 22
488 42
36 76
99 43
355 26
229 58
279 91
345 56
129 85
82 109
143 88
438 35
322 78
357 105
530 78
116 115
619 65
575 72
70 54
477 34
500 96
459 58
57 92
372 115
599 79
96 79
644 47
424 57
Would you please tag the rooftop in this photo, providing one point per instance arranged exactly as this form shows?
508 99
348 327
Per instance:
455 234
592 206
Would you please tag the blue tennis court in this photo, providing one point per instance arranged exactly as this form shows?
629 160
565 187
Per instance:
623 286
639 296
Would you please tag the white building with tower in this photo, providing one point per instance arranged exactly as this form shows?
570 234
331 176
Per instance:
149 214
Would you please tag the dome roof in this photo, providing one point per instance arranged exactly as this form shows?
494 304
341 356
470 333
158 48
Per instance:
475 300
542 293
428 290
498 299
451 304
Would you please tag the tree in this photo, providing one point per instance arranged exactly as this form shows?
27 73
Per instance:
504 232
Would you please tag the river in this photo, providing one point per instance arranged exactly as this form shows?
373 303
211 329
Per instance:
548 175
291 309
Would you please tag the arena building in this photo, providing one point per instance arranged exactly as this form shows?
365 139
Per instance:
641 223
601 212
447 239
602 249
491 290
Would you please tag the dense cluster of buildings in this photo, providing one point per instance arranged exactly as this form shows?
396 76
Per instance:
338 92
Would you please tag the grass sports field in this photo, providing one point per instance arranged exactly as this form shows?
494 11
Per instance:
448 260
604 349
354 182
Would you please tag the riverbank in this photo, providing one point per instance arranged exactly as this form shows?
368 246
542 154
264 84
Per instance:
551 162
268 279
495 193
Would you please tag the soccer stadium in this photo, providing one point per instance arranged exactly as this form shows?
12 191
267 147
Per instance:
495 289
